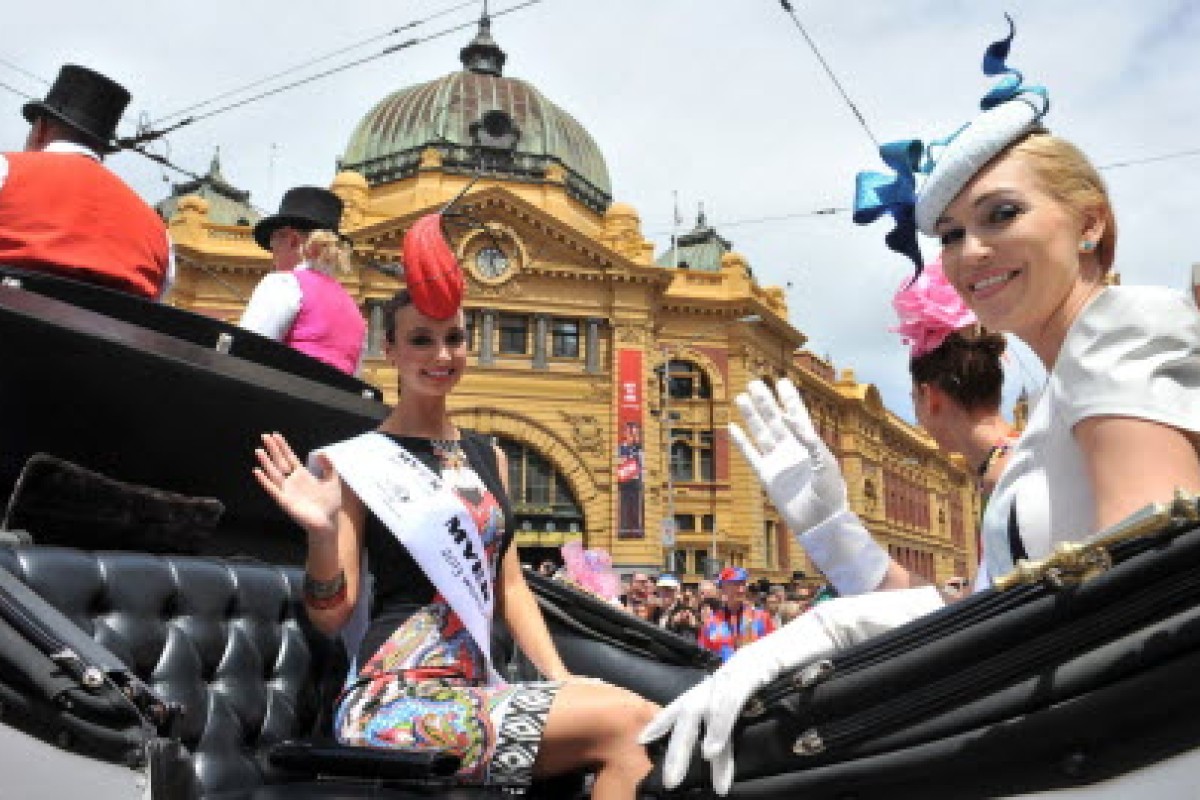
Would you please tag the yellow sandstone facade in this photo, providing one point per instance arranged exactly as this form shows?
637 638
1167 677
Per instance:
560 286
594 273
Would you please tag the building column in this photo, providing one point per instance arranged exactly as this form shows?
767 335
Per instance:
487 331
540 328
592 345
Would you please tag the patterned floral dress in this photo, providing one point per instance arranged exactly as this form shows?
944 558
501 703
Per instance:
423 683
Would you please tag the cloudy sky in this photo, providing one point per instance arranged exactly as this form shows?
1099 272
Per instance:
720 101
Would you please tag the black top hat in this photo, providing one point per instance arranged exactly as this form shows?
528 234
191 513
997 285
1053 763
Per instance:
305 208
86 101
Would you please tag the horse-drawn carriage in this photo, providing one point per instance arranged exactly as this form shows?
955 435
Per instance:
150 649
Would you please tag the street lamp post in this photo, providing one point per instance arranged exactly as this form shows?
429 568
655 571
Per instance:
669 354
713 558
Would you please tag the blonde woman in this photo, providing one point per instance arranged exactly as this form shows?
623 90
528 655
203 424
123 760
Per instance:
1028 235
302 303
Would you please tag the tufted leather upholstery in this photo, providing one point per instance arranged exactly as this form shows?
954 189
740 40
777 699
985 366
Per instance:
228 640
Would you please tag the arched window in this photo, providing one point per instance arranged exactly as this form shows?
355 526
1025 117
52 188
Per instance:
687 381
688 423
545 512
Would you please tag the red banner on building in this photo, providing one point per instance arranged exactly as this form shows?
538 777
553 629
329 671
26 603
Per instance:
630 465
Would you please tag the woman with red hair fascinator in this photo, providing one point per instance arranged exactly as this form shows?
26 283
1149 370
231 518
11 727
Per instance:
431 271
423 506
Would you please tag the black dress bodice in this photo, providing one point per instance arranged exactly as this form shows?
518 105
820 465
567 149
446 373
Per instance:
400 585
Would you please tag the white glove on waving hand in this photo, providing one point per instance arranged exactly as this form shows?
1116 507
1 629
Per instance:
802 479
717 702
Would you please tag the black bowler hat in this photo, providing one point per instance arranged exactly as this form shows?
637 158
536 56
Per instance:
305 208
86 101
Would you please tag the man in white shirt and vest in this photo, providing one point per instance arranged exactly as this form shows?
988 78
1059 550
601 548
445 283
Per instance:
62 211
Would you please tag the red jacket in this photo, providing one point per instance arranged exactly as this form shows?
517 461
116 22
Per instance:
67 214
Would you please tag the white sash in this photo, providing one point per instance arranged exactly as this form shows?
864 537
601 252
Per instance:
429 520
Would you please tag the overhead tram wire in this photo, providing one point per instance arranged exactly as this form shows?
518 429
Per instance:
16 91
818 212
787 6
311 62
134 148
137 142
836 210
151 135
23 71
1134 162
163 160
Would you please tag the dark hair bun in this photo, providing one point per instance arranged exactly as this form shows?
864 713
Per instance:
966 366
991 344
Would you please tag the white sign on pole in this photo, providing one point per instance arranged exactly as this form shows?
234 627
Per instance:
668 533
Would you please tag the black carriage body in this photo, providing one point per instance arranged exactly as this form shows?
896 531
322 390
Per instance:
1033 689
1004 693
227 646
147 394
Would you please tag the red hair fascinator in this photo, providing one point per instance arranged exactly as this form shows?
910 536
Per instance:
431 272
930 310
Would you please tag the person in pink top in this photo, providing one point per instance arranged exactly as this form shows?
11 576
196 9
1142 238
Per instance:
302 303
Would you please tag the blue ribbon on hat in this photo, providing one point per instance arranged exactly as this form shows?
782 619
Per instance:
1011 84
1010 87
878 193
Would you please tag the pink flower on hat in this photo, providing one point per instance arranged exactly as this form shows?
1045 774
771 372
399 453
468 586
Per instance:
930 310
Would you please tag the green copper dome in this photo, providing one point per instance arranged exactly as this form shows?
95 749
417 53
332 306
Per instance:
387 144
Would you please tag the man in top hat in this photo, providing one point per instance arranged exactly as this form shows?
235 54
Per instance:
302 303
736 623
62 211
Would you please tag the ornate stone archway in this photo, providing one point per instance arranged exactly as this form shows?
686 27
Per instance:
553 447
716 380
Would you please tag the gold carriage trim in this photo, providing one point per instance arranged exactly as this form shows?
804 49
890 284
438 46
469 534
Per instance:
1072 563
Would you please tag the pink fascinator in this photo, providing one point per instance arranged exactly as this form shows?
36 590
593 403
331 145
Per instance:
930 310
591 569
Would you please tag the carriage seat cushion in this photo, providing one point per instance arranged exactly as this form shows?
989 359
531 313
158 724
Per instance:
230 642
59 502
227 640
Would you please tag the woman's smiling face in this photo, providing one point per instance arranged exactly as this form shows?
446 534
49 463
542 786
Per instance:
1010 248
429 354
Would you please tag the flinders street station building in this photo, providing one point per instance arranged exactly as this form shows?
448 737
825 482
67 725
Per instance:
605 371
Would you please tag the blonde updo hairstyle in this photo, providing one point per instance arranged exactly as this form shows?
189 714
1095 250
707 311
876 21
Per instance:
1068 176
325 250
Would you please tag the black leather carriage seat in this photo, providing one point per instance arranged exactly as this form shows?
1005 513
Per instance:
226 639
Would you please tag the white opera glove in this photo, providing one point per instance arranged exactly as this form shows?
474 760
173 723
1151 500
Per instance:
802 478
717 702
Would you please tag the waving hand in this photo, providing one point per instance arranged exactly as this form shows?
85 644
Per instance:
311 501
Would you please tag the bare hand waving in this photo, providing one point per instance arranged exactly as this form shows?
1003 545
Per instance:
312 502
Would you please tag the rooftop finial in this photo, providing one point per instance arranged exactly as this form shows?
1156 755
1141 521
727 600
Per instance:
701 220
214 175
483 55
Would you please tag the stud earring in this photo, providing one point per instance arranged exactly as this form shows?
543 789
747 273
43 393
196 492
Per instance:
1087 245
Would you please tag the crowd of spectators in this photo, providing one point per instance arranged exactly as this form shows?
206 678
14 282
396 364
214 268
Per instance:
719 615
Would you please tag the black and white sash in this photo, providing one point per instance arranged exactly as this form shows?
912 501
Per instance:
432 524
